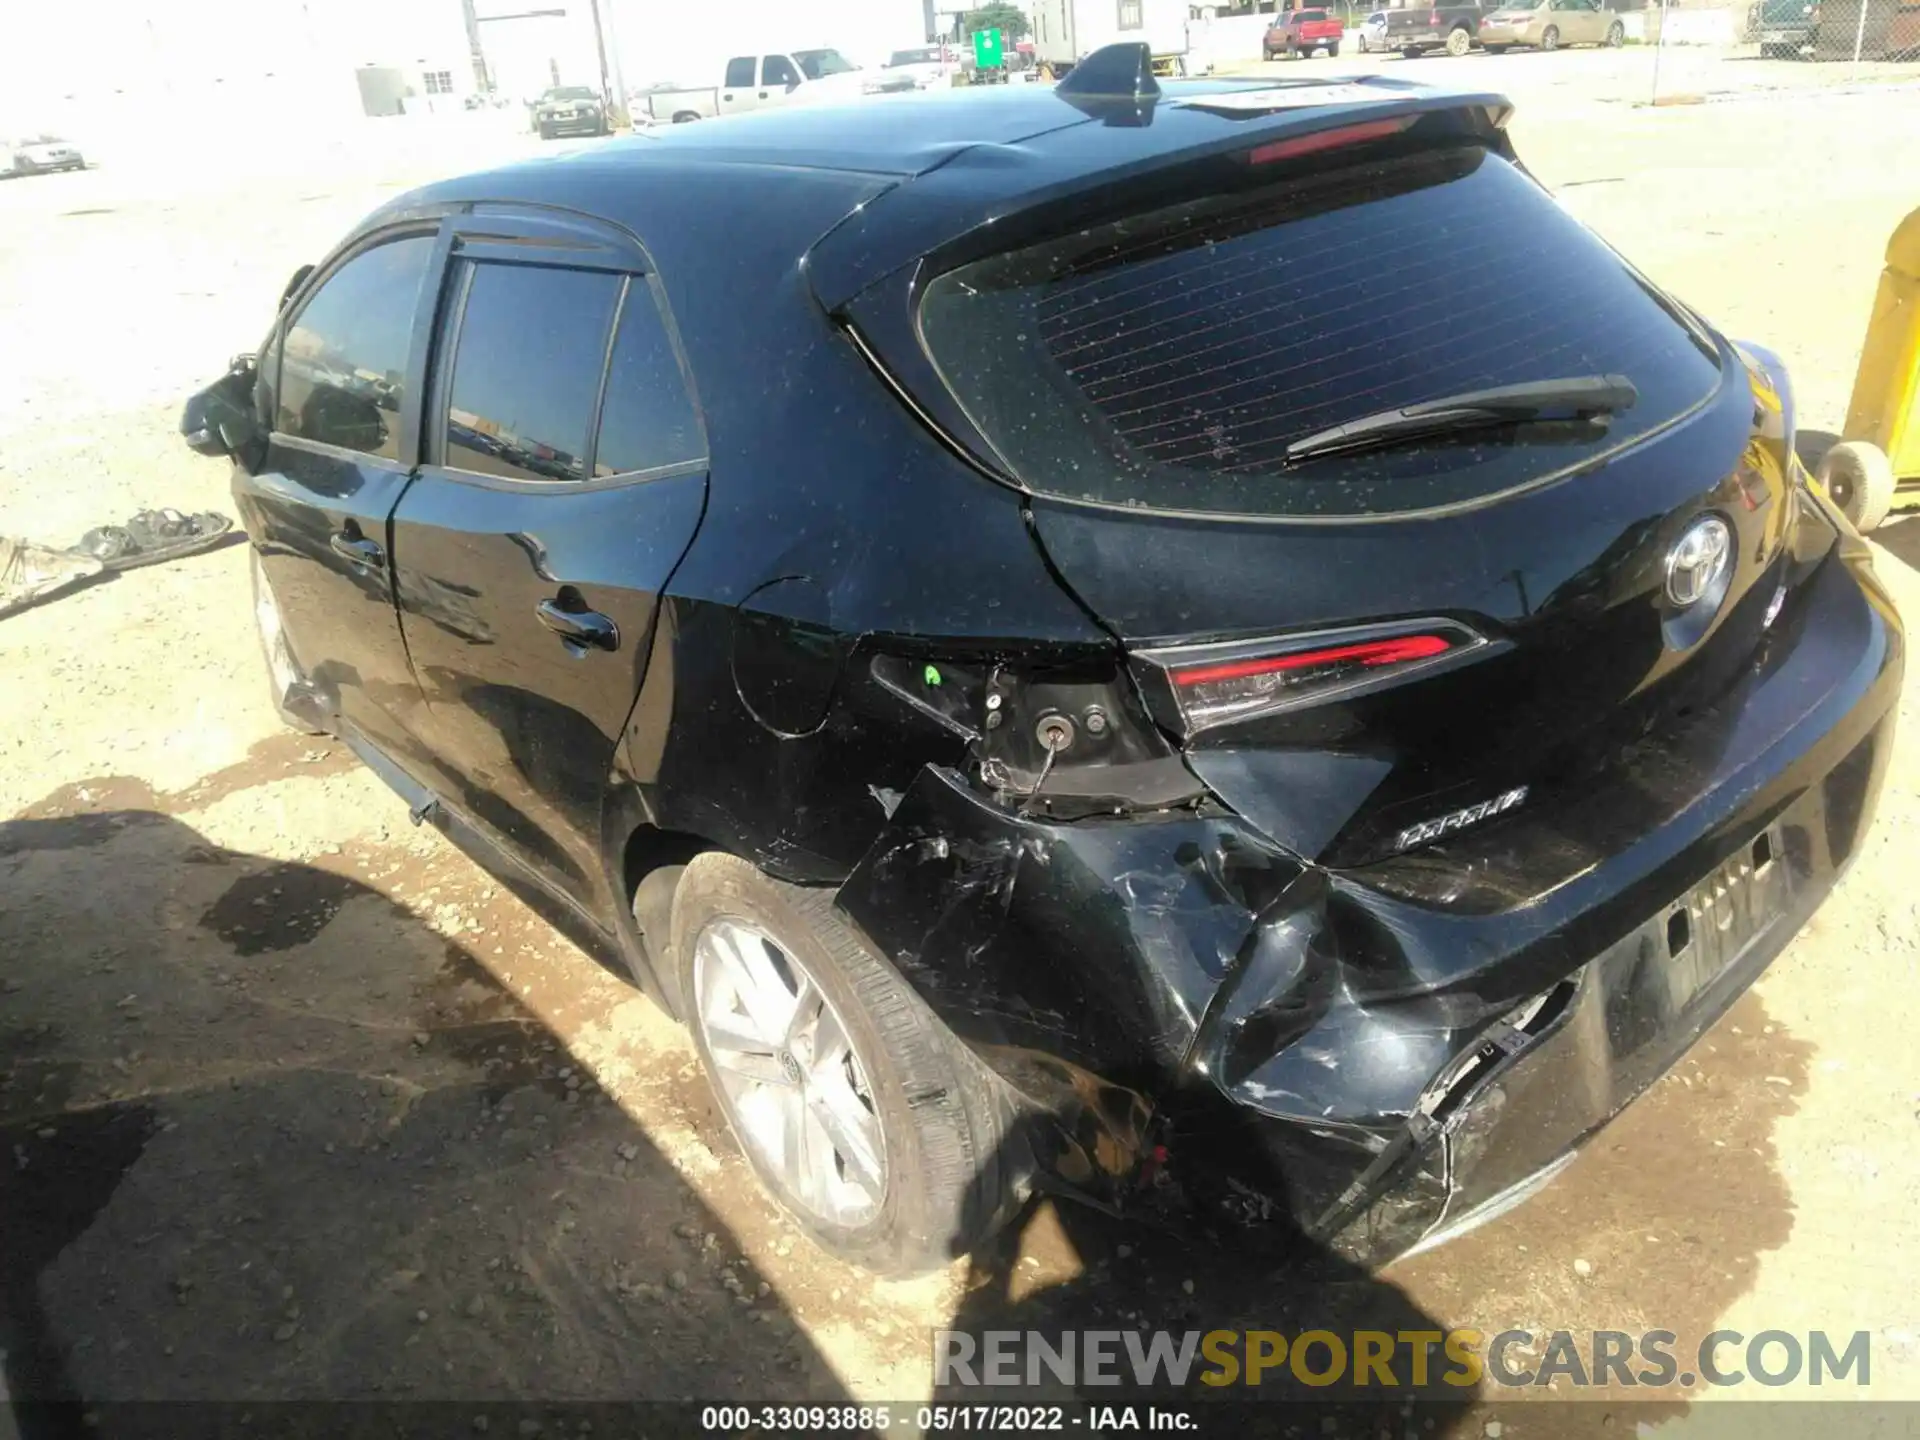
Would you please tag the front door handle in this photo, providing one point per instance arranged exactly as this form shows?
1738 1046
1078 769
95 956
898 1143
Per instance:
579 627
358 549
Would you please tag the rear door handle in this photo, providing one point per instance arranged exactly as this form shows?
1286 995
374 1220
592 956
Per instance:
358 549
579 627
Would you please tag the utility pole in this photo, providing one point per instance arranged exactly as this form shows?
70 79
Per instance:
481 79
600 47
606 34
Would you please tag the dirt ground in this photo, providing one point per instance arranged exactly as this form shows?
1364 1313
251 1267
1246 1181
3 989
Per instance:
296 1102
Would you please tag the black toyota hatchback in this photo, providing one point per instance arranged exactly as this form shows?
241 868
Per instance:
1107 639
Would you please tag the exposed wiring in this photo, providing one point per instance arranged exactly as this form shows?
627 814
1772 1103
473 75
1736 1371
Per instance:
1046 769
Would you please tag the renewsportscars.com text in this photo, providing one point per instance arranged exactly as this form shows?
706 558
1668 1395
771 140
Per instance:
1406 1359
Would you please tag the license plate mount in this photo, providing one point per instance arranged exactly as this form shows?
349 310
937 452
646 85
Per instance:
1715 922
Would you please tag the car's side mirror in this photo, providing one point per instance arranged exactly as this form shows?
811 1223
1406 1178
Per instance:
220 421
792 85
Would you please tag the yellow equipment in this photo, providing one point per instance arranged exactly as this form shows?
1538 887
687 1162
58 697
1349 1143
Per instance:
1877 466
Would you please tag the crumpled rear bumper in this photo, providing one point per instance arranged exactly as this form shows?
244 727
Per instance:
1368 1056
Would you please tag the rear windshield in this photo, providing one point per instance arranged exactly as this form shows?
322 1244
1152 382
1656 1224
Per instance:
1310 17
1168 360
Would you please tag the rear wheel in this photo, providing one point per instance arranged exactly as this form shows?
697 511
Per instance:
1411 52
1550 38
685 117
1459 41
1333 52
860 1112
1616 35
1859 480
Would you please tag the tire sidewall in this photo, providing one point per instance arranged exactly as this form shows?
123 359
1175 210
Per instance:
1866 473
719 886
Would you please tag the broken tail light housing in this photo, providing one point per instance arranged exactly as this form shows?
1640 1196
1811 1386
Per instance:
1194 688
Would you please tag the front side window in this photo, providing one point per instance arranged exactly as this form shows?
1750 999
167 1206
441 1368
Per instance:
740 73
343 370
526 371
778 70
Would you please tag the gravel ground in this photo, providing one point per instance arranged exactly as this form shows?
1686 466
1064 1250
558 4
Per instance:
297 1102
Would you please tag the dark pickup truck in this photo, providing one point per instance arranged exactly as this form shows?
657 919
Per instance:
1453 28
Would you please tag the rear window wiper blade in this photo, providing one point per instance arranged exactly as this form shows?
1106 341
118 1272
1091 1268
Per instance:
1580 397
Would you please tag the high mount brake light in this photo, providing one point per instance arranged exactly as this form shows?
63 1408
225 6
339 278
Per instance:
1328 140
1203 686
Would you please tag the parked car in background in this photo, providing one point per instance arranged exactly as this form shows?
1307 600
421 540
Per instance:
1372 33
1549 24
762 82
35 153
1301 32
1787 28
925 65
571 110
1280 755
1450 26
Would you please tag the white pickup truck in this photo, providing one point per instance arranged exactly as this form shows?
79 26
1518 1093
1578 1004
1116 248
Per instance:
756 82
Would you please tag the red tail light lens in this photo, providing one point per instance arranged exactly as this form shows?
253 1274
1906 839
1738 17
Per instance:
1204 686
1365 653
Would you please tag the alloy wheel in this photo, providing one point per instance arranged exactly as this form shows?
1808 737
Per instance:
794 1087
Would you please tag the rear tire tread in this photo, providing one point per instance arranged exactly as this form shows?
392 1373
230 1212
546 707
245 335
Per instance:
958 1192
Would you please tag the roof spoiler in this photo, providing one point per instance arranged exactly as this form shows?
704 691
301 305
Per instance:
1113 72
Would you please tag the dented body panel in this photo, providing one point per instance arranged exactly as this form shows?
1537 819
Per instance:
1339 1050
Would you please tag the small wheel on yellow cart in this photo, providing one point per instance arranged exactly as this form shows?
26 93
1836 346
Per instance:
1858 478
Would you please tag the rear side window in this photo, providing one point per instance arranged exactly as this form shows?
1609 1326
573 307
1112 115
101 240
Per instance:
740 73
647 421
343 366
531 348
1168 360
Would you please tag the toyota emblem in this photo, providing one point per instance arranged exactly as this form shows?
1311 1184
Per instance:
1699 561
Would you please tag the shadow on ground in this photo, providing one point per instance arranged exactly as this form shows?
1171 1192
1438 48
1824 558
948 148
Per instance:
266 1136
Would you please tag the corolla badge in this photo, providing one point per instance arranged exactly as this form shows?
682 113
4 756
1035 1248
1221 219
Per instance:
1698 560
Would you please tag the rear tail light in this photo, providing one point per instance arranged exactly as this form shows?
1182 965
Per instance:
1434 18
1200 687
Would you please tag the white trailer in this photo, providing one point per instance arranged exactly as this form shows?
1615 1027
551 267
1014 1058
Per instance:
1066 30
